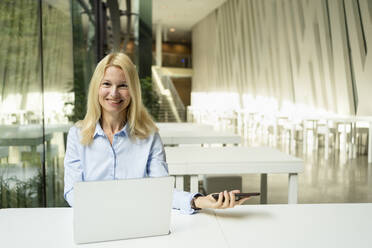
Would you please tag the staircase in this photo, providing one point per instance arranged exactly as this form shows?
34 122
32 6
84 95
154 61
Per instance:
172 108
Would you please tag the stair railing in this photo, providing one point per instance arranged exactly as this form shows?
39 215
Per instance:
166 88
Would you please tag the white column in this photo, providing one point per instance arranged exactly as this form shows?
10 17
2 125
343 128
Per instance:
158 44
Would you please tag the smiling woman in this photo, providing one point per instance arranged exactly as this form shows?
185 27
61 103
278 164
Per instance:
115 81
117 139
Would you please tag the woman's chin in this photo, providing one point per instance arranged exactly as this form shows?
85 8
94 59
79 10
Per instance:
113 109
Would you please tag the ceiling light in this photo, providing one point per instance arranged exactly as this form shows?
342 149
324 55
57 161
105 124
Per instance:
172 29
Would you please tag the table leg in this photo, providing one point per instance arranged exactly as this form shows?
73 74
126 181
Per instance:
14 155
326 142
337 138
263 189
293 139
179 182
304 138
370 143
48 151
351 139
275 133
345 138
315 133
292 188
355 141
194 183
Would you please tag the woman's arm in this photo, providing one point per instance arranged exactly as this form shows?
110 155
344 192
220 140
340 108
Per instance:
72 164
157 167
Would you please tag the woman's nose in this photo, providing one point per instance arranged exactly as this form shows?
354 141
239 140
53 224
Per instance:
114 91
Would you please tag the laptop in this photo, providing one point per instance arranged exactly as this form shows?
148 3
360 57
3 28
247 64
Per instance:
122 209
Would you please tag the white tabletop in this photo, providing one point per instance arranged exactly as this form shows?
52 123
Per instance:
317 225
230 160
52 227
196 136
313 225
182 126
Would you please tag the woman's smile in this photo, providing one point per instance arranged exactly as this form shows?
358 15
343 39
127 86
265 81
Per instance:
115 102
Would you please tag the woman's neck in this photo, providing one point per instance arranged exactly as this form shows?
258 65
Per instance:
112 124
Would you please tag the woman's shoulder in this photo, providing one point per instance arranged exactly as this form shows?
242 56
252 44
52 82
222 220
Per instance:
155 137
75 130
151 138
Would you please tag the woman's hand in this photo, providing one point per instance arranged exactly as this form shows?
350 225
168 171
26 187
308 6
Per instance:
209 202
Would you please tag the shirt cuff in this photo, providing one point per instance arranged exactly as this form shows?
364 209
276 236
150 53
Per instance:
190 210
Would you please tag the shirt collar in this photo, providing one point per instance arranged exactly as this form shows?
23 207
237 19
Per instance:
99 131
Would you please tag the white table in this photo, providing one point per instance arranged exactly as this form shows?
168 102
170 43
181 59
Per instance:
196 161
352 120
28 135
305 226
318 225
198 136
341 119
182 126
53 228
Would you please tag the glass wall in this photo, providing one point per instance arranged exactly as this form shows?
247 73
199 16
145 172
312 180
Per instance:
21 135
58 92
40 96
47 56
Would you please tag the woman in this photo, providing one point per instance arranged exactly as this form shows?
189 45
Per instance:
118 139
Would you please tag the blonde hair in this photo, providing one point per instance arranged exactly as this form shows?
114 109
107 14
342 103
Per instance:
139 121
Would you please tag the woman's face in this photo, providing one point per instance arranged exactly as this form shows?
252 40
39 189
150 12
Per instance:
113 93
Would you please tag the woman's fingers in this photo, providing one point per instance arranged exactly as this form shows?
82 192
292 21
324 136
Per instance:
219 201
232 199
235 191
229 200
226 203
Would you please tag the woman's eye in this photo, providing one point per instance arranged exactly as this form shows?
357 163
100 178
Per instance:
106 84
123 86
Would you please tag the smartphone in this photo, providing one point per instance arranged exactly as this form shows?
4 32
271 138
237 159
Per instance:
238 196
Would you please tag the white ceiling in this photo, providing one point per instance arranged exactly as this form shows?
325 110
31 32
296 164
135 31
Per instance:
181 14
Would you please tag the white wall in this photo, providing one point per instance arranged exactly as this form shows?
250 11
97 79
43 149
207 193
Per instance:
291 51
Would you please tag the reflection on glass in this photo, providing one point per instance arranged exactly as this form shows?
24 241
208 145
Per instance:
83 35
58 92
67 31
21 106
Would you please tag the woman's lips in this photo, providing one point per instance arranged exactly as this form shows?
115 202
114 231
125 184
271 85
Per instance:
114 102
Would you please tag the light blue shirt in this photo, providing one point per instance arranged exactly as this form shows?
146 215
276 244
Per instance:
125 158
